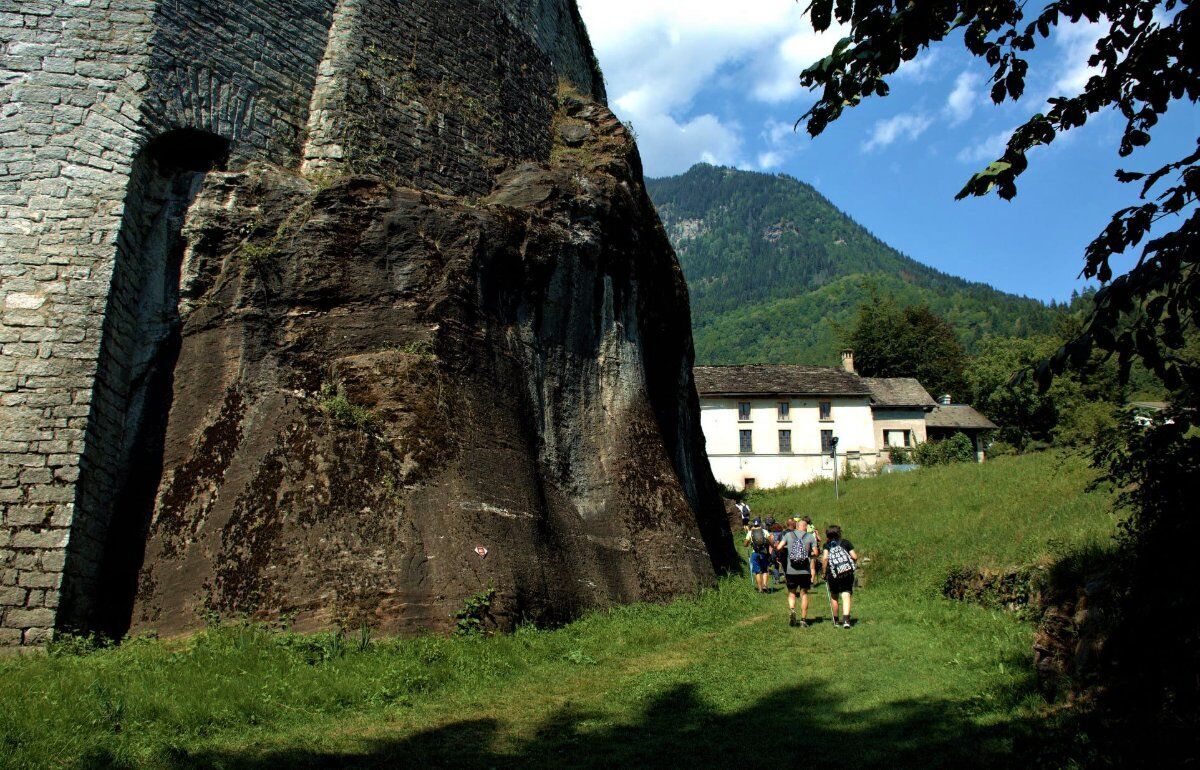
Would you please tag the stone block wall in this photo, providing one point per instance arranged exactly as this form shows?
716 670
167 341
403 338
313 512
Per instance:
454 90
70 114
438 94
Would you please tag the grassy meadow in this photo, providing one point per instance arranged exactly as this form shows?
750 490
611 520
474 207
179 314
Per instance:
718 678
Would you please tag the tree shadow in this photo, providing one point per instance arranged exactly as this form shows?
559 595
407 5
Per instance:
789 727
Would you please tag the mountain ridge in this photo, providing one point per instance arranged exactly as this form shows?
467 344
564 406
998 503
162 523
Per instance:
776 271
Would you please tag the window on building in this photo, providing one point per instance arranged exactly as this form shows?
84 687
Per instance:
785 442
826 441
749 482
743 411
826 410
746 445
785 411
897 438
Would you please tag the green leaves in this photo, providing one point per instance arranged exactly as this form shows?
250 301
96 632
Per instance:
821 14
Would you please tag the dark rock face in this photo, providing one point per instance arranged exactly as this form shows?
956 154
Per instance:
386 401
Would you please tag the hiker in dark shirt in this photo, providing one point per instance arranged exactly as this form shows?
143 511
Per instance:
777 566
759 541
799 550
838 563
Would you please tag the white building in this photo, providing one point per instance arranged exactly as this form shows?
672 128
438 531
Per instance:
769 426
899 407
774 425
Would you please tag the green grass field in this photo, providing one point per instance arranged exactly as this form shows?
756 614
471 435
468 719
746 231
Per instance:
720 678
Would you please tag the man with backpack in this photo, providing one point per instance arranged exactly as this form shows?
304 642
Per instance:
798 547
839 561
759 540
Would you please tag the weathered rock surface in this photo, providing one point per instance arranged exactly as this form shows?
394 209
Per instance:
376 383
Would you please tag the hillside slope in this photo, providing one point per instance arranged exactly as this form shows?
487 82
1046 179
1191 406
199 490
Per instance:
921 681
775 270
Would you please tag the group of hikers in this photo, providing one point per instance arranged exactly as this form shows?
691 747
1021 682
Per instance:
794 552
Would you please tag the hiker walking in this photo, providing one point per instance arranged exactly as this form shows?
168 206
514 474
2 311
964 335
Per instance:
759 540
775 531
744 511
839 561
799 549
808 523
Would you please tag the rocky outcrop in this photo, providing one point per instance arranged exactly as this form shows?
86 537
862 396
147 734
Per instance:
1071 649
386 400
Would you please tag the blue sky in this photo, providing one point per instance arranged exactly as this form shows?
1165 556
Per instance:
716 81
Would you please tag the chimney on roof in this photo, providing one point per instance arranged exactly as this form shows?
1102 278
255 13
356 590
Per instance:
945 399
848 360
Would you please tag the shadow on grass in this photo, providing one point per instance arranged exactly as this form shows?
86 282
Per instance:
799 726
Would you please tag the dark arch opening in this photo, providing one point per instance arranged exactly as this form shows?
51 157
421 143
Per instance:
122 461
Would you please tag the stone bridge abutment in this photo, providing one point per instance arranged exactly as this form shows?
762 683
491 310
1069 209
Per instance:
111 112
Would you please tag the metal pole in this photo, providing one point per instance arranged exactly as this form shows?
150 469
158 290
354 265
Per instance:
836 494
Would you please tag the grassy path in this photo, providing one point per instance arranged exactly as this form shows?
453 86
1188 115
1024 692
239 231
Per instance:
719 678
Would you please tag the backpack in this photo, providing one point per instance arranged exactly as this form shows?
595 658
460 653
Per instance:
759 541
840 562
798 553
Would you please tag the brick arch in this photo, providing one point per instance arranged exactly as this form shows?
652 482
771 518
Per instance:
242 69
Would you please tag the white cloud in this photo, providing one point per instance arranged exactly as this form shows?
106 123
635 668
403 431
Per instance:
907 125
1077 42
961 102
918 69
658 55
770 159
778 77
987 149
679 145
781 143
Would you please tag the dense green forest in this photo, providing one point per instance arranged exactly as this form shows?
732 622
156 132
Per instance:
777 272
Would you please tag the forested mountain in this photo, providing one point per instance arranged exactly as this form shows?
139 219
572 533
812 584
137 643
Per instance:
776 271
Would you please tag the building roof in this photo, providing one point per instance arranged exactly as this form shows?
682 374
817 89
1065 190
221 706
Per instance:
898 392
957 416
778 379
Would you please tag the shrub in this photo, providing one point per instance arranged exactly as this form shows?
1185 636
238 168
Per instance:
1084 424
900 455
956 449
473 619
352 415
1001 448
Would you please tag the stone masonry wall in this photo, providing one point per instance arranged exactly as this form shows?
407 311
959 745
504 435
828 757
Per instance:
438 94
70 98
85 85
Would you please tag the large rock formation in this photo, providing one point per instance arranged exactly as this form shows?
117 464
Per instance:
376 381
338 310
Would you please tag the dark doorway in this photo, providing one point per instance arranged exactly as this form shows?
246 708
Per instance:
123 447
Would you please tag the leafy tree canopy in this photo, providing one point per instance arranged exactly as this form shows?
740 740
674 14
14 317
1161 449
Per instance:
890 341
1148 60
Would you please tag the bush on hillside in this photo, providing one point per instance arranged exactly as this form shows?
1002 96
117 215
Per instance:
956 449
1084 423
